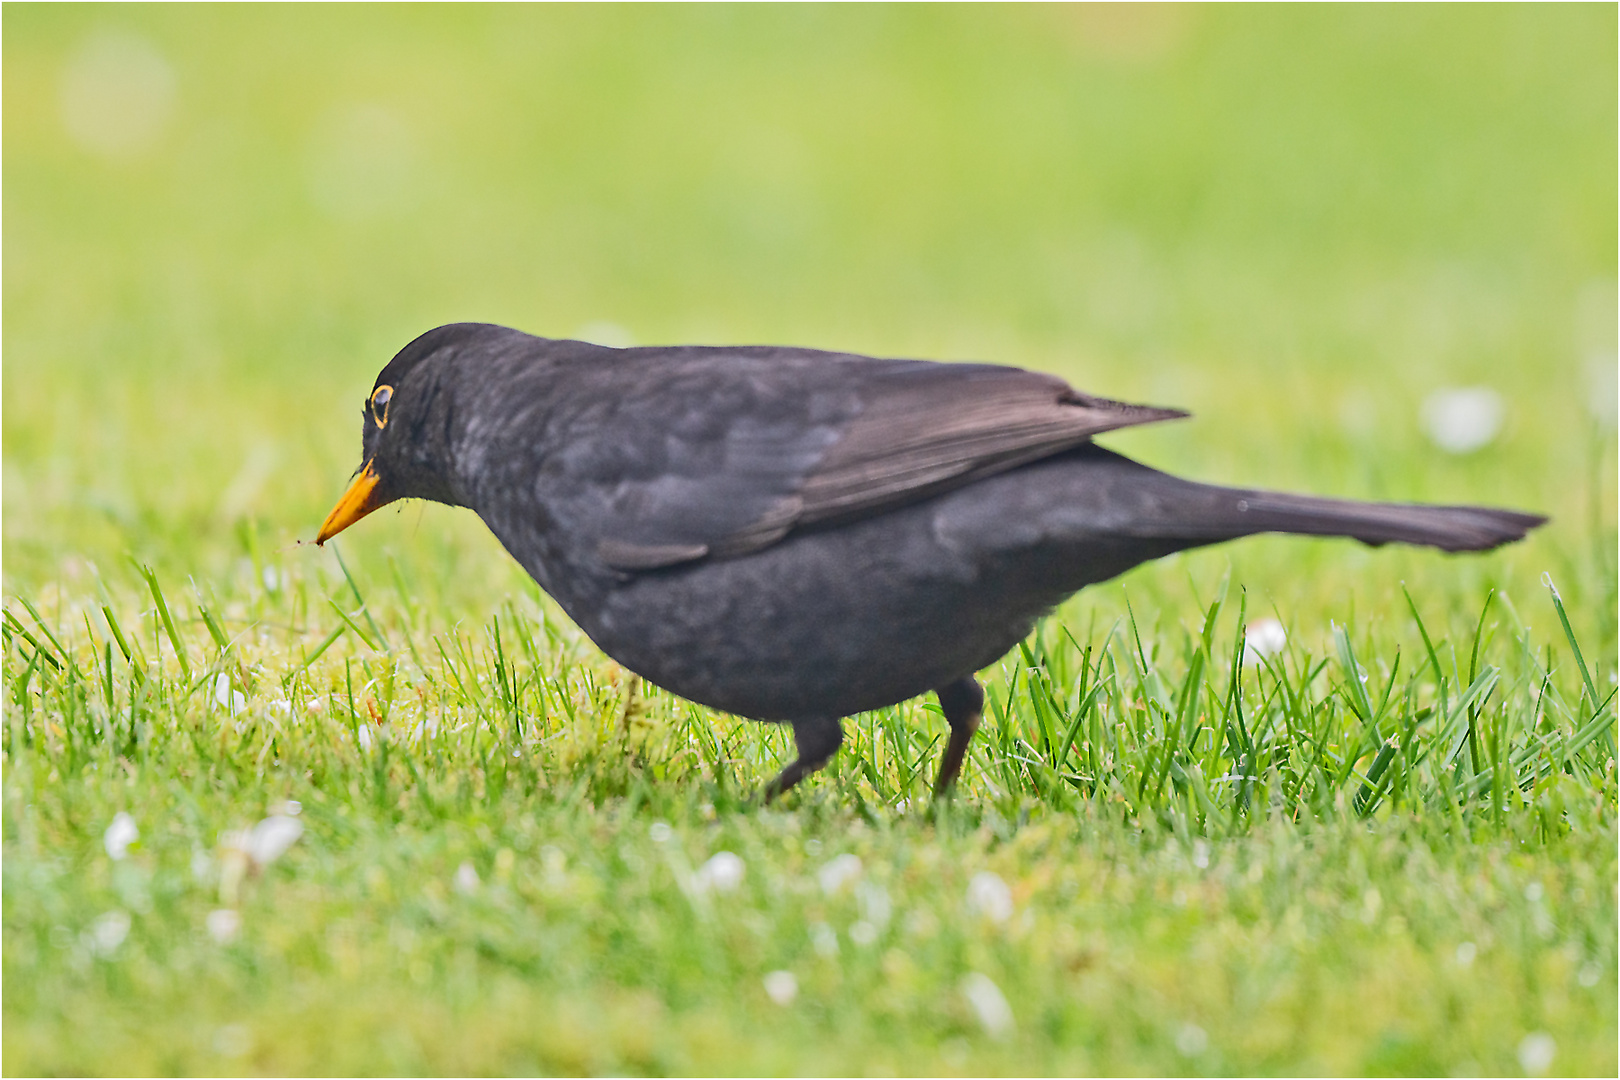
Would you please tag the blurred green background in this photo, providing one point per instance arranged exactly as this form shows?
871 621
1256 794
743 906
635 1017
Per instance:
1323 229
1297 222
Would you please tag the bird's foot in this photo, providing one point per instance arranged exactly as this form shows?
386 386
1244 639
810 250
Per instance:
962 702
817 741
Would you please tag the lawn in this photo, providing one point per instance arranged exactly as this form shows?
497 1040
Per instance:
381 808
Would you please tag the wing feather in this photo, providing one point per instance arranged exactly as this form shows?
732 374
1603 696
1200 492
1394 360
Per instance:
915 437
733 480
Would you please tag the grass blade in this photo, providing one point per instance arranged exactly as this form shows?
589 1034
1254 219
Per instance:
1569 635
168 620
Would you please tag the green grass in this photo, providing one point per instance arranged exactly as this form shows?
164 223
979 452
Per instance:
1389 848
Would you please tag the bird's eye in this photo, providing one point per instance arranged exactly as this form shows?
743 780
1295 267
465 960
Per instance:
379 404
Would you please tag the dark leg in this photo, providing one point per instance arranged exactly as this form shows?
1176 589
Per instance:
817 741
962 702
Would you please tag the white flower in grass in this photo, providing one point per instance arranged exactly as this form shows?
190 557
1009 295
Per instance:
989 896
781 987
874 903
839 872
660 832
1460 420
989 1005
862 932
265 842
466 879
1263 638
119 835
1536 1052
226 697
108 932
1466 953
1192 1040
223 924
251 850
722 873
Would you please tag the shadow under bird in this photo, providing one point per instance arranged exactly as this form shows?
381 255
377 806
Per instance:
794 535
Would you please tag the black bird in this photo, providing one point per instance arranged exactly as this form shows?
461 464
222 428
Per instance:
794 535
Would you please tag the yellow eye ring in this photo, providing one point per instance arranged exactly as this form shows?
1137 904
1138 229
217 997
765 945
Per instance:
379 404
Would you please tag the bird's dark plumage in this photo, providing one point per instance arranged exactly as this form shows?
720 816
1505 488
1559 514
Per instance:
795 535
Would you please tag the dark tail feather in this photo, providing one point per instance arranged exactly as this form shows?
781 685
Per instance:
1115 495
1449 528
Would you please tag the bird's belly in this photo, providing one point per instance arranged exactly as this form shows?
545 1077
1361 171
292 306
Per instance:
825 624
862 615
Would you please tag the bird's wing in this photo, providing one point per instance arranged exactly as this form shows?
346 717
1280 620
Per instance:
924 429
718 453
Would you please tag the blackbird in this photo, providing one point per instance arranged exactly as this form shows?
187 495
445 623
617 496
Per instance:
794 535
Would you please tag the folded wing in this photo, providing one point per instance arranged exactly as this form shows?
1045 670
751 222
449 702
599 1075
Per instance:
743 446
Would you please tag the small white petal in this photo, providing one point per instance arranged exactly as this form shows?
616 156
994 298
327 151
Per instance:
466 879
781 987
1262 638
989 1004
660 832
1460 420
722 873
989 896
1192 1040
839 872
271 838
108 932
119 835
223 924
1536 1052
874 903
863 932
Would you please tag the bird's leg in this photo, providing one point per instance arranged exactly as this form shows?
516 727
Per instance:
817 741
961 701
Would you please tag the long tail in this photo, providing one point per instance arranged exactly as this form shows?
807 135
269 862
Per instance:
1146 503
1449 528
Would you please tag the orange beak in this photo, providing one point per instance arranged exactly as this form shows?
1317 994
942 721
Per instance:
356 503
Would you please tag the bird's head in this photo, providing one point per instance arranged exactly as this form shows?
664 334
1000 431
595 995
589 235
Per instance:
404 427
